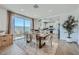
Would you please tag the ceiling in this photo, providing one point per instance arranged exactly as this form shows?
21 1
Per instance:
44 10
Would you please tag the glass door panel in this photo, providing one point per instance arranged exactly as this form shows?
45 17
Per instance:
19 27
28 25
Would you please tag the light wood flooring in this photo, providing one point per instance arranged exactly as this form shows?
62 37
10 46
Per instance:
20 47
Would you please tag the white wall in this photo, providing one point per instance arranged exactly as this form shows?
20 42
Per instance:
3 19
76 14
36 25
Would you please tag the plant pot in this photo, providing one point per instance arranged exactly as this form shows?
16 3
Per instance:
69 35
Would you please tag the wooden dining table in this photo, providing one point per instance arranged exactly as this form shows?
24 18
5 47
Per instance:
41 37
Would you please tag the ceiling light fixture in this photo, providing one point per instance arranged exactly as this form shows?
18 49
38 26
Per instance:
36 6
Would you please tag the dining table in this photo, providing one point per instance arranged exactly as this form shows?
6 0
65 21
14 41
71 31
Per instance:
41 37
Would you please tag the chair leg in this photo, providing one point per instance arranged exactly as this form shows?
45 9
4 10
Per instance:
28 41
51 39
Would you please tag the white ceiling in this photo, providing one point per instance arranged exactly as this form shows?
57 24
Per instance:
44 10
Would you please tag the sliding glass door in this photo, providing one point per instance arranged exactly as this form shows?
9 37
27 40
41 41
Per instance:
28 25
22 26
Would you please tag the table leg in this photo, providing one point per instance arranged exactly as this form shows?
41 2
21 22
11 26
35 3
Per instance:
41 45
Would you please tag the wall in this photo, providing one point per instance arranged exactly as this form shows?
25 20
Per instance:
76 14
36 25
3 19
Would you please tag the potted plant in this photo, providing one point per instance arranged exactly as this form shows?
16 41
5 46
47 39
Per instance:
69 25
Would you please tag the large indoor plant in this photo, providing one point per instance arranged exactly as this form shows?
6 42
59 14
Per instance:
69 25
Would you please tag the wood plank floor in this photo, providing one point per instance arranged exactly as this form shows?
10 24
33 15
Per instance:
65 48
20 47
